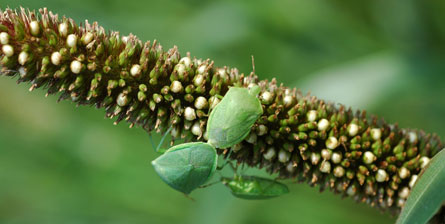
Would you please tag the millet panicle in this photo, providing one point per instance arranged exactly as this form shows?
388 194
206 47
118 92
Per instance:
298 136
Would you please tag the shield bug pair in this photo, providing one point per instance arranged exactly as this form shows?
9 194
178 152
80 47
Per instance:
187 166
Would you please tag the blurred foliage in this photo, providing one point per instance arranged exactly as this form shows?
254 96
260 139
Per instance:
427 196
62 164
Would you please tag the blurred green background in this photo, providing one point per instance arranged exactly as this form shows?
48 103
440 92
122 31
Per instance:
62 164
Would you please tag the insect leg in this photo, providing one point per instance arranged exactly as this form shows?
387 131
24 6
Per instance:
234 168
219 96
163 138
157 149
209 184
151 141
227 161
188 197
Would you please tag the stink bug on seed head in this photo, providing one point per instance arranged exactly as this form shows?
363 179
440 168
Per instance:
231 120
254 188
187 166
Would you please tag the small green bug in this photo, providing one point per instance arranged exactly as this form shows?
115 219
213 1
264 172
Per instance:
187 166
230 121
254 188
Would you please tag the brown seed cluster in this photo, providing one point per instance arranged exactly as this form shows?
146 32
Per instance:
298 136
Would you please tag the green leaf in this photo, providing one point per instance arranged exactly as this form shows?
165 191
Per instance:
427 195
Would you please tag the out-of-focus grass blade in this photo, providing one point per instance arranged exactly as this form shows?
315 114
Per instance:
427 195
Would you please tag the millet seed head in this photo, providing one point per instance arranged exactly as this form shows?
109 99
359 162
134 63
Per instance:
298 136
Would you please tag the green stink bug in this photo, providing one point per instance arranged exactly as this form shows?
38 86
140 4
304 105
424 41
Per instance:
230 121
253 188
187 166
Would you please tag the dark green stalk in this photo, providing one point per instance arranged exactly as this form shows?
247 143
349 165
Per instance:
298 136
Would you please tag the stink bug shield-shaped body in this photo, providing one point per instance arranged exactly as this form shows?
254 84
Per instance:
187 166
230 121
254 188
